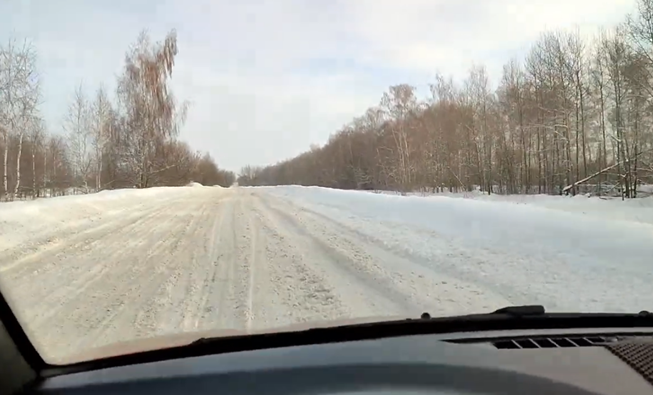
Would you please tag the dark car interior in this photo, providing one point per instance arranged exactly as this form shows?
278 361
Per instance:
516 350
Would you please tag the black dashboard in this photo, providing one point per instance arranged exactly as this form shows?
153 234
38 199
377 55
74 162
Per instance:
546 361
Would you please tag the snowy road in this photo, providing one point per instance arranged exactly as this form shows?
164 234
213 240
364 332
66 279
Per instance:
92 270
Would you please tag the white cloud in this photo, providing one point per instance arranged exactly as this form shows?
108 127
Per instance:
266 78
447 34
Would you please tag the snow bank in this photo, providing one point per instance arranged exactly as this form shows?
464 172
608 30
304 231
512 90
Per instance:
635 210
25 220
549 251
194 184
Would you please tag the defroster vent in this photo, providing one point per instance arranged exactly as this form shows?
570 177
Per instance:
553 342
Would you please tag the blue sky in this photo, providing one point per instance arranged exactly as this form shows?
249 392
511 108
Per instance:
266 78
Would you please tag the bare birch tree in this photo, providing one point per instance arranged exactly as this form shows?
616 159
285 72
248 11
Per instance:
79 133
152 116
398 103
19 97
37 134
100 131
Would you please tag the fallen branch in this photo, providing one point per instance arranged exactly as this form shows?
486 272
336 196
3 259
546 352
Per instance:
584 180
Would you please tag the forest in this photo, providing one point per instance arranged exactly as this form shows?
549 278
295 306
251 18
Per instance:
573 115
130 142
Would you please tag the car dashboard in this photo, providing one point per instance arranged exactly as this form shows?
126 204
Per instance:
545 361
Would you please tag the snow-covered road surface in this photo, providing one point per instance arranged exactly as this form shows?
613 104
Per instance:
87 271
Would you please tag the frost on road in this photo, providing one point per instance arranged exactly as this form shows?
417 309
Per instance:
87 271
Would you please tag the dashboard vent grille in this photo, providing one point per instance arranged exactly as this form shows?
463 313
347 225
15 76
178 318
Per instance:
553 342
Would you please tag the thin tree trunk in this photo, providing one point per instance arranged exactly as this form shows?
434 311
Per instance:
577 141
45 168
582 132
33 172
4 177
53 189
603 135
20 151
526 176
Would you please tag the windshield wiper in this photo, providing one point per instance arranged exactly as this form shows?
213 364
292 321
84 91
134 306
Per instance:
515 311
521 311
506 318
512 311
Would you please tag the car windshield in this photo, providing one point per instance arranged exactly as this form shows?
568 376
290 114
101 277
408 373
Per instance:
176 170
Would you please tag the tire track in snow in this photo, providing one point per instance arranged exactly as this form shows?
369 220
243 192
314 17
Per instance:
252 267
184 266
212 251
419 288
219 307
126 290
68 274
104 289
343 292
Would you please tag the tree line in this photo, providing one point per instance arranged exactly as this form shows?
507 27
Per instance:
104 144
573 112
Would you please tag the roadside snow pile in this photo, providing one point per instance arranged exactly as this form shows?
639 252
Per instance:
548 252
634 210
194 184
25 220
